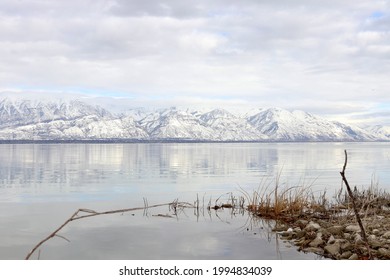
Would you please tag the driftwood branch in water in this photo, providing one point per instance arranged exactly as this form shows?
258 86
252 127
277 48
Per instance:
86 213
353 200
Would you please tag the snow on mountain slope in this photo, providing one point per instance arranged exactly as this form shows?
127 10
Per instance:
23 112
380 131
283 125
80 119
84 128
227 127
172 123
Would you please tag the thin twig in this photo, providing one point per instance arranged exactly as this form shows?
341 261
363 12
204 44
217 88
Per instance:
63 237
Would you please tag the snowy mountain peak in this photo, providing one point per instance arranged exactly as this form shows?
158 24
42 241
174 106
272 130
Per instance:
80 119
283 125
380 131
216 114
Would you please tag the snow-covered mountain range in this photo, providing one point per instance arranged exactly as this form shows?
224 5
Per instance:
78 119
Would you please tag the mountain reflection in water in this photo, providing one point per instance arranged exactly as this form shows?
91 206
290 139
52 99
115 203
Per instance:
41 185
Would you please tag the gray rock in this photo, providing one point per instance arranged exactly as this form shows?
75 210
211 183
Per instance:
316 242
333 249
290 230
375 244
331 240
386 235
346 255
346 235
280 228
312 226
347 246
336 230
384 252
324 231
354 257
300 242
371 237
302 223
358 239
352 228
375 231
299 234
315 250
286 234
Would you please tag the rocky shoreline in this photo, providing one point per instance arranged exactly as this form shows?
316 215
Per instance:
339 238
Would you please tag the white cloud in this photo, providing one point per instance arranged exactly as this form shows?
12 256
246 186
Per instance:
295 54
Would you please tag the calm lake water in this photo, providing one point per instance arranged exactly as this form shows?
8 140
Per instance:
41 185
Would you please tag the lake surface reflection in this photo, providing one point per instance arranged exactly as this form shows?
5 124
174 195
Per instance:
41 185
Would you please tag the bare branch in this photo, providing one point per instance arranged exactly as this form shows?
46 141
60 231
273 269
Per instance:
90 213
63 237
52 234
353 200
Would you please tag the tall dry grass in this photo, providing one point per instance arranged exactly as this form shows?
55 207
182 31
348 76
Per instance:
279 201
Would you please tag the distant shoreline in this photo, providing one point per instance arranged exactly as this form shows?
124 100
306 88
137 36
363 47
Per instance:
178 141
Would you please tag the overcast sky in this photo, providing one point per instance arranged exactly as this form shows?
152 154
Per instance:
329 57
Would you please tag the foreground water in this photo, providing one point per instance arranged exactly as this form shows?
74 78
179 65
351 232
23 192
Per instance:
41 185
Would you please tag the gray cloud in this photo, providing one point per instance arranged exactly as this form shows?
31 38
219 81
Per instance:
172 8
281 53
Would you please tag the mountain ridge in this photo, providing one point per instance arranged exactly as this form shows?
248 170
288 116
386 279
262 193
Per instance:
77 119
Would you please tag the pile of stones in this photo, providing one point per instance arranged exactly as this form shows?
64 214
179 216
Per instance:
336 240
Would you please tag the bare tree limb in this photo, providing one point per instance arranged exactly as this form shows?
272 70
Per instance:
350 193
90 213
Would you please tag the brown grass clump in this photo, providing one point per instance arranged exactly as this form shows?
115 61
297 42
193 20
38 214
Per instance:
289 204
285 203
